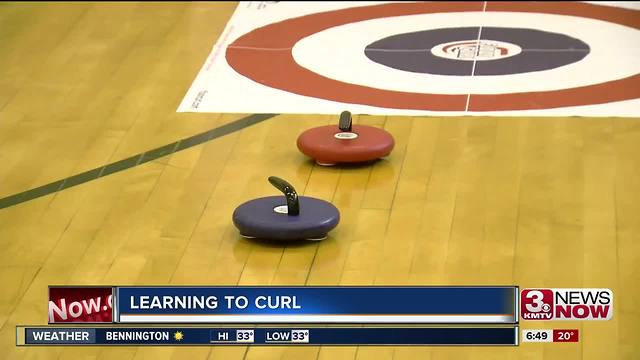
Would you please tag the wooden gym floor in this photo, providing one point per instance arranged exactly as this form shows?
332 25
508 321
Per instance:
537 202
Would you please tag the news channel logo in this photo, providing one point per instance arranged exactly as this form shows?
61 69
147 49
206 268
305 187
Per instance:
566 304
69 304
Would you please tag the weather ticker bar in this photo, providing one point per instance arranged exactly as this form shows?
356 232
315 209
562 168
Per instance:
214 336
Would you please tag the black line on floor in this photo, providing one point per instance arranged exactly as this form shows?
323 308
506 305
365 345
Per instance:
132 161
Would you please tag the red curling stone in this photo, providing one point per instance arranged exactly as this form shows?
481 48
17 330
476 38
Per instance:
330 145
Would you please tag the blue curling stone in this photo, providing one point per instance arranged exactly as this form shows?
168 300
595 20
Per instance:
268 218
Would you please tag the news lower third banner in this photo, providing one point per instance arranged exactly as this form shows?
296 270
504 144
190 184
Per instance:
285 305
316 304
175 336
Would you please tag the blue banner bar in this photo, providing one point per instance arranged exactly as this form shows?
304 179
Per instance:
316 304
272 336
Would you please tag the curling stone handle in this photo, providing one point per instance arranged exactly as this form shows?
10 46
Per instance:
293 205
345 122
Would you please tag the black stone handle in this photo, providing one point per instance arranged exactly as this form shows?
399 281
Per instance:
293 205
345 122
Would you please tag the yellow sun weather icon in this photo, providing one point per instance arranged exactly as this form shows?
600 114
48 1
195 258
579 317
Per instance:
178 336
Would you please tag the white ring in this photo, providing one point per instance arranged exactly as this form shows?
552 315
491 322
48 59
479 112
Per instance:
338 53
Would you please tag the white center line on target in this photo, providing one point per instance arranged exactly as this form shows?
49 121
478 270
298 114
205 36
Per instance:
475 55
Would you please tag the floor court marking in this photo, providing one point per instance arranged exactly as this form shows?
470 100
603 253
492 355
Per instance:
134 160
475 56
297 42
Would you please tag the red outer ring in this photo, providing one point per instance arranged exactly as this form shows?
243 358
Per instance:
265 56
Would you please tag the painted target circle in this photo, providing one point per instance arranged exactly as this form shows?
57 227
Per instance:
338 53
265 56
454 51
475 50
